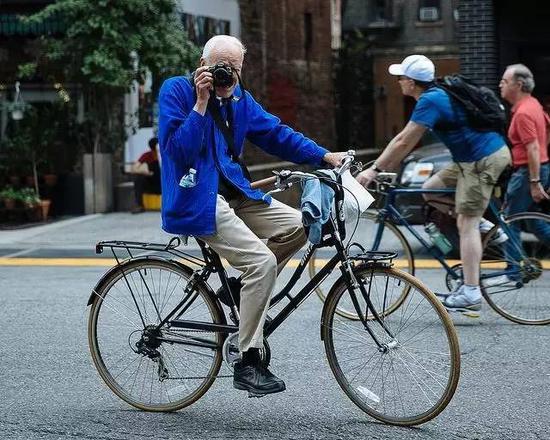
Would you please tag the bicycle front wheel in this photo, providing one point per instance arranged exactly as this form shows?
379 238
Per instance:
392 240
412 376
151 368
516 273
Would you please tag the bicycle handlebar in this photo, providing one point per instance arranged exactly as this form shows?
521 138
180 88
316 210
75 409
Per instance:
285 179
263 182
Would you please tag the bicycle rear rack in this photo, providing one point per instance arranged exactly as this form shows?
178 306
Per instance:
150 248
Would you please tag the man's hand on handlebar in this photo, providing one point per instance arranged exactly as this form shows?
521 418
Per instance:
342 161
335 159
366 177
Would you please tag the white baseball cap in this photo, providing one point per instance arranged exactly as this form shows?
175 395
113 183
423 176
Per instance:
417 67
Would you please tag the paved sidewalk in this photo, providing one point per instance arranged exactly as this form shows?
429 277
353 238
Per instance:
78 236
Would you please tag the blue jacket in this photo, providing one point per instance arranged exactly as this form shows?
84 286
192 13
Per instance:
188 140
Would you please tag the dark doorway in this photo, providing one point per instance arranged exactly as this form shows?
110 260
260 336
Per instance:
524 37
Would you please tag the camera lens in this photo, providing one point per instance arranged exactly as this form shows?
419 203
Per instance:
222 75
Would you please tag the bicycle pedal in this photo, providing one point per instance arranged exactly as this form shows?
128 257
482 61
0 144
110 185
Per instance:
252 394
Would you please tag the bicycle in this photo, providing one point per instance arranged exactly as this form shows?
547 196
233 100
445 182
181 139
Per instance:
514 275
158 333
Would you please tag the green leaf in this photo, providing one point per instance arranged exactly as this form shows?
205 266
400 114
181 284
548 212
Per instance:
95 49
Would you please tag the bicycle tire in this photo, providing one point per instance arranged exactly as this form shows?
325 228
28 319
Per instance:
352 372
523 298
397 243
112 319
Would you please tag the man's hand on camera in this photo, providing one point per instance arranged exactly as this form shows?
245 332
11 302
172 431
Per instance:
203 85
334 159
366 177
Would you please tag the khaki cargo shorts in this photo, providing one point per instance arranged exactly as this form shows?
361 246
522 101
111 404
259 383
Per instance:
475 181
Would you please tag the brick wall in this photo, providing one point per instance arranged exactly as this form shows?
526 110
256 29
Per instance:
478 41
287 69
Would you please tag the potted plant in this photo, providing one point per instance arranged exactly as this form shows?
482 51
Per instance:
34 207
29 198
27 144
9 196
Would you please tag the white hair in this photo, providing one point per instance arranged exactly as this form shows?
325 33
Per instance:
218 40
520 72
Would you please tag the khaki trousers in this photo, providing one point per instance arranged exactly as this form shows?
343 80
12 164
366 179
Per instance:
241 224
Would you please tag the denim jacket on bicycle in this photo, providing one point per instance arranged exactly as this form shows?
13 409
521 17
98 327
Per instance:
316 203
189 140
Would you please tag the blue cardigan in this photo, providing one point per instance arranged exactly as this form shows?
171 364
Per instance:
187 140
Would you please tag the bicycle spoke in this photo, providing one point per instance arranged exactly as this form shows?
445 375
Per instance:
137 362
525 259
411 378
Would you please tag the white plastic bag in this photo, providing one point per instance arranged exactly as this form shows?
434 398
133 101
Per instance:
356 198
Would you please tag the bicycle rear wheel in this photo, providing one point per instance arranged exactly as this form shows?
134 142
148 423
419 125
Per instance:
153 370
413 378
516 273
392 240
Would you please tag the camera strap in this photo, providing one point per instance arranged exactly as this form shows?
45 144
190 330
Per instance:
225 127
227 130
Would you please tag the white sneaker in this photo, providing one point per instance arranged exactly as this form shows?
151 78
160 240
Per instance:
498 237
497 281
444 295
485 226
462 303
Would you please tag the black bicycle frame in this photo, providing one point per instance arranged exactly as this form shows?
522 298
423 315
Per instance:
294 301
212 263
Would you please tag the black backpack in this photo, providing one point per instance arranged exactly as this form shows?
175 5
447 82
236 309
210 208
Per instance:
483 108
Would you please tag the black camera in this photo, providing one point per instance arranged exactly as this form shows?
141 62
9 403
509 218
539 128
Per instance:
222 74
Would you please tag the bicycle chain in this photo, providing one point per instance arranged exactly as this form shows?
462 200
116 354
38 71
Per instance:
189 331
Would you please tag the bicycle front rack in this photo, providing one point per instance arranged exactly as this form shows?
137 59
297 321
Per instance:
376 257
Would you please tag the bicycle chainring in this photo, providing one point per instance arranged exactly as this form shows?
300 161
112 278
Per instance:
531 269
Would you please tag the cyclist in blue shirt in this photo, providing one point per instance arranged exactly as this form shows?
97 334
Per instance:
207 193
479 157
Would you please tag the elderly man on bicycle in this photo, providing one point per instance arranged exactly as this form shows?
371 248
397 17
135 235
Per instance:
203 122
479 159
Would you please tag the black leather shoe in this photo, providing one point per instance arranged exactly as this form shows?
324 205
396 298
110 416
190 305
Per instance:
257 380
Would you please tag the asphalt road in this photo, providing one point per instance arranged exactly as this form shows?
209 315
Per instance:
49 388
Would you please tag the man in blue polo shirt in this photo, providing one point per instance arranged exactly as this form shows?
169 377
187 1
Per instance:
217 204
479 159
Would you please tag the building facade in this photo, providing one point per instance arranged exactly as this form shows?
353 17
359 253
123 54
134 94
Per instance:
495 34
289 66
477 38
